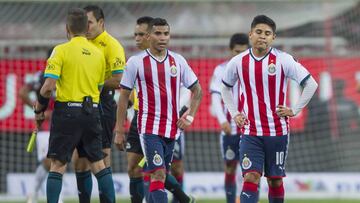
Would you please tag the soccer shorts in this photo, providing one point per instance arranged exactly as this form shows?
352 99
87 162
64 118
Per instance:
230 145
72 128
179 148
108 117
133 140
42 144
158 152
264 153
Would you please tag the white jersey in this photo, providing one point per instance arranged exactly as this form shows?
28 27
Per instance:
264 84
238 97
158 87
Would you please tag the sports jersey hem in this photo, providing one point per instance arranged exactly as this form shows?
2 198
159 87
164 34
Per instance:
304 80
125 87
49 75
228 85
193 84
214 92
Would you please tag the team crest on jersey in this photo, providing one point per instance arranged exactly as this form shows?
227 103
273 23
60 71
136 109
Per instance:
246 163
272 69
229 154
157 160
173 71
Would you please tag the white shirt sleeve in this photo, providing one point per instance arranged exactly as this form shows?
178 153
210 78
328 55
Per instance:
185 95
227 96
129 76
230 75
215 82
217 107
310 86
294 70
188 77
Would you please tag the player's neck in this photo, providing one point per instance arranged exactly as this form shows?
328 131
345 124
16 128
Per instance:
158 54
259 52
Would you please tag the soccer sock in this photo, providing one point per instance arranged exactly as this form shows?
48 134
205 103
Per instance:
179 179
174 187
106 186
230 187
84 185
276 194
249 193
53 187
40 175
157 192
136 190
147 187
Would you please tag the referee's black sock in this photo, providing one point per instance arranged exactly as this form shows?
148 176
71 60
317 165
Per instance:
84 185
53 187
106 186
136 190
174 187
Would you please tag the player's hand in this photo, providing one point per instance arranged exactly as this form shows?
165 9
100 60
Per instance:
119 140
226 128
182 123
39 119
240 120
284 111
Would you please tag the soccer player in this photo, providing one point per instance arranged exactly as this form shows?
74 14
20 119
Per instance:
77 70
263 73
42 138
230 132
158 73
115 62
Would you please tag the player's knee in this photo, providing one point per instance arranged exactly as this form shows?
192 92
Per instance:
274 182
81 165
158 175
134 171
46 163
177 170
230 167
252 177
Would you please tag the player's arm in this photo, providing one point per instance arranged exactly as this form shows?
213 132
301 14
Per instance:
24 95
116 60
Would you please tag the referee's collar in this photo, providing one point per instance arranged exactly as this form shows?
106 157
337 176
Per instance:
100 36
79 38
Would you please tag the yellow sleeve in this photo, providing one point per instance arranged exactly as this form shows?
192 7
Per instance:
54 64
116 58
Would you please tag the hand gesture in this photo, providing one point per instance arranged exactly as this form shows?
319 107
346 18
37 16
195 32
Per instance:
284 111
119 140
182 123
240 120
39 119
226 128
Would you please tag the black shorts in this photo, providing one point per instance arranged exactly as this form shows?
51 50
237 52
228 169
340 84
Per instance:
108 119
72 128
133 139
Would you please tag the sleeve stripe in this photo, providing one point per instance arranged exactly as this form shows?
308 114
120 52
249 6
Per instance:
304 80
49 75
193 84
227 84
117 71
125 87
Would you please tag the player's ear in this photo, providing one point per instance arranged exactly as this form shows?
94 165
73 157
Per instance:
274 36
101 22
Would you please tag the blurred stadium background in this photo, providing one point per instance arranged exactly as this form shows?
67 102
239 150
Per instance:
324 151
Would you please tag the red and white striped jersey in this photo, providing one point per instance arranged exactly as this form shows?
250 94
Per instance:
264 84
158 87
215 88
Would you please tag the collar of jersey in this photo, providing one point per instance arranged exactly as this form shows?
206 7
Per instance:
78 38
167 53
100 36
261 58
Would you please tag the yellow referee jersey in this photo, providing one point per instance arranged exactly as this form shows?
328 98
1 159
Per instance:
113 51
79 68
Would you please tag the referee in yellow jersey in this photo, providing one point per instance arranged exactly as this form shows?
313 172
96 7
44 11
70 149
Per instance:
115 63
77 70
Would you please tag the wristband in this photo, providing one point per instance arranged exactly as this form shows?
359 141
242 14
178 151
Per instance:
43 101
189 118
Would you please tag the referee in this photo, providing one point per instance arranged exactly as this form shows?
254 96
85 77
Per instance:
115 63
77 70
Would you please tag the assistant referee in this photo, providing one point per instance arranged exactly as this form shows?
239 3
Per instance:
77 70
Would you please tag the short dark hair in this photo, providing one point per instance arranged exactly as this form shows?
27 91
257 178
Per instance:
158 22
97 11
239 38
144 20
77 21
263 19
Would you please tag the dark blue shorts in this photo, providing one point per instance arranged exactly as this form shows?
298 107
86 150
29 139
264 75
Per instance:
179 148
264 153
230 147
158 152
